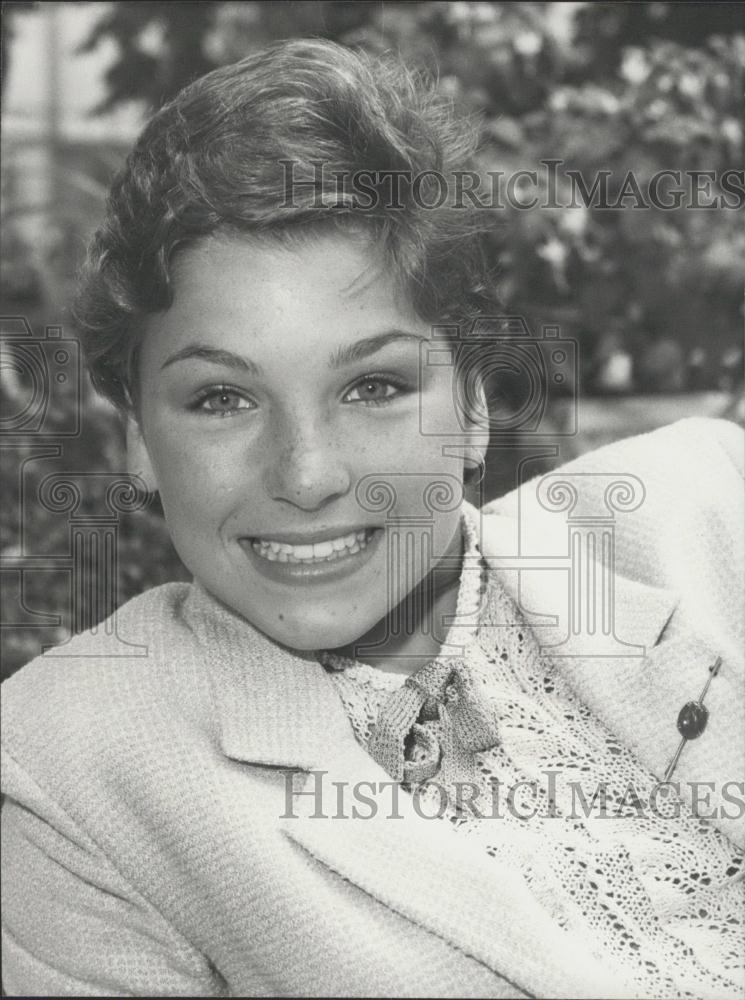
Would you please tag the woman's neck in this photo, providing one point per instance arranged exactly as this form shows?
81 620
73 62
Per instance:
412 633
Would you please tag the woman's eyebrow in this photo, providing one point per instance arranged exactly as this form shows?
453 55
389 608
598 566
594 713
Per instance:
215 355
347 354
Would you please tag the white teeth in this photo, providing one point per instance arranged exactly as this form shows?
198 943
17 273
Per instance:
326 551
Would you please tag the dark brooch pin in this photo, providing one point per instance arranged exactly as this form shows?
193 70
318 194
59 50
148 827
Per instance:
692 719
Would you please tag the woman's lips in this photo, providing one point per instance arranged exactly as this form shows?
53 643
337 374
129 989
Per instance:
320 562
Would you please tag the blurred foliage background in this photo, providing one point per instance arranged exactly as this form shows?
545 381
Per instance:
653 297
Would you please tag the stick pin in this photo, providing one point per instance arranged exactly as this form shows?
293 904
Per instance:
692 719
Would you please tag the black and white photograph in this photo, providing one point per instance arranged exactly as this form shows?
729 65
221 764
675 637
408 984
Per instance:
373 499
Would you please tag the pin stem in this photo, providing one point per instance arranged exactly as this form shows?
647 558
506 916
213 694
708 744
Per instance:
713 671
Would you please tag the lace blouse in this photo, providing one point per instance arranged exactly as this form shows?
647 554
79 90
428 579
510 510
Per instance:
649 885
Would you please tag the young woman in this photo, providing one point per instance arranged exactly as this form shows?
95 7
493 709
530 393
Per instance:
372 750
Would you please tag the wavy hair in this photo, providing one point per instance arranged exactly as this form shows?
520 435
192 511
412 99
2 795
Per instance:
225 157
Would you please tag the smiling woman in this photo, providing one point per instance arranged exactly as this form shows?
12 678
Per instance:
282 376
386 743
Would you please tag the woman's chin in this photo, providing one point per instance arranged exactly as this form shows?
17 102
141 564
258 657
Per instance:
309 636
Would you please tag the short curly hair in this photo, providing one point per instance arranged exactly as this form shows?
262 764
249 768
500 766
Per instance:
225 156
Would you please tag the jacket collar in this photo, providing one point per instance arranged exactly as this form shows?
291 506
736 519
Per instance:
274 705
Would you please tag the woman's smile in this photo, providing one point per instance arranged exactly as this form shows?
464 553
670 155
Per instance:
313 551
318 562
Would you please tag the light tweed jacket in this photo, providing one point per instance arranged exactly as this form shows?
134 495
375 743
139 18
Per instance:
143 844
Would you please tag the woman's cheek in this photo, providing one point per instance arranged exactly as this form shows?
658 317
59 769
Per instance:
191 462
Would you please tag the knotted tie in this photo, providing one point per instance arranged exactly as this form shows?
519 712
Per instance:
439 719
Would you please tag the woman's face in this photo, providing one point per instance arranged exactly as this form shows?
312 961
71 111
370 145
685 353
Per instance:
280 378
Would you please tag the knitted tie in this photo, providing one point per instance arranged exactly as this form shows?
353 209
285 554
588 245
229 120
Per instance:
439 719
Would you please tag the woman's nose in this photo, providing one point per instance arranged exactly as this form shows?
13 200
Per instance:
306 468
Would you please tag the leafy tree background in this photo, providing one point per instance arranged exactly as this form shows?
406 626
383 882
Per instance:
629 86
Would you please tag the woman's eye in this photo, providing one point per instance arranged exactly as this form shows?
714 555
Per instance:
373 390
223 402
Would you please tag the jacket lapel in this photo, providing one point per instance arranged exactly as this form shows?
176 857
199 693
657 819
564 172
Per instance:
277 707
618 688
539 581
636 696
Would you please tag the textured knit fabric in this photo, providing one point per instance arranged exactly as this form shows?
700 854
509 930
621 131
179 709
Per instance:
655 888
152 845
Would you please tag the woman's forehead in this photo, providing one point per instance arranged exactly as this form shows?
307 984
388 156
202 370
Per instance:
337 263
331 288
